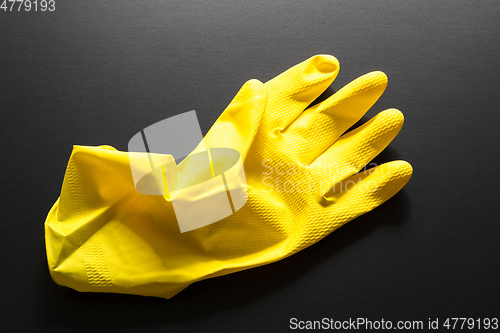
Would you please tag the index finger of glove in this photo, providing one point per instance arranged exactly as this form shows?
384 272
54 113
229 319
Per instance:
292 91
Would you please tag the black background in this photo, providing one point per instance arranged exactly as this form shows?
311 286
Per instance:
96 72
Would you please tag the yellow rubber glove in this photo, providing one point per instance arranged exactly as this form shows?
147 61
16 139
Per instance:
303 183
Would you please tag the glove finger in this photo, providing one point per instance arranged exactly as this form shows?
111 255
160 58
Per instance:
365 191
293 90
355 149
237 125
321 125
